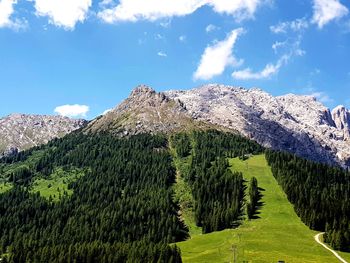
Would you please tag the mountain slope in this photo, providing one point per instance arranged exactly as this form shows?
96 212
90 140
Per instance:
263 239
21 131
298 124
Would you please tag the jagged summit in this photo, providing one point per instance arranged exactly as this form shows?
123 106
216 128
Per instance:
22 131
146 111
142 90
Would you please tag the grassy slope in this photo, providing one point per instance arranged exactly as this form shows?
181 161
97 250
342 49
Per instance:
5 186
278 235
56 184
183 194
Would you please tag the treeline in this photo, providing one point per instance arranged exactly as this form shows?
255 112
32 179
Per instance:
218 192
125 197
320 194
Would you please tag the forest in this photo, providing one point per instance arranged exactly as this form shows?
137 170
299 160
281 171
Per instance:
122 207
121 210
218 192
320 195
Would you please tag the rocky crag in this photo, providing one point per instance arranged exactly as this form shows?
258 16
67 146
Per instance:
22 131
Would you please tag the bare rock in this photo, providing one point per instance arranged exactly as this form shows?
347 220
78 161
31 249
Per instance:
19 132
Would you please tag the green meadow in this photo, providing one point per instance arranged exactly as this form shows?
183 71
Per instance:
56 185
278 234
5 186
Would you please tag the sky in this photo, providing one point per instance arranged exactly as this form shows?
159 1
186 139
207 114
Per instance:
79 58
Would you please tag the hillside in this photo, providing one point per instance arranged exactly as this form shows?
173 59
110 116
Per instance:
126 199
19 132
277 235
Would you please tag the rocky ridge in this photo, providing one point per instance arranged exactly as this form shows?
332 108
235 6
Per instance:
298 124
22 131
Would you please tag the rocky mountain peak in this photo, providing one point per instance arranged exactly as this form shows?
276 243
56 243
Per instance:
145 111
22 131
142 90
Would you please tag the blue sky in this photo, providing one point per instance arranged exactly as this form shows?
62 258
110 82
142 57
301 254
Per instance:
81 57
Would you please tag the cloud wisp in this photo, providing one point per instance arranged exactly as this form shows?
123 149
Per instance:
268 71
162 54
72 111
297 25
218 56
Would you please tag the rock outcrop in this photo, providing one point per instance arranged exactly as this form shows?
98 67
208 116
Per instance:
341 117
21 131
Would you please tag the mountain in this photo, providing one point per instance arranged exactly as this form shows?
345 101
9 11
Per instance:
147 111
127 198
21 131
298 124
294 123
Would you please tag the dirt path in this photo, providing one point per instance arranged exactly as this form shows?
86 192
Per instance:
317 239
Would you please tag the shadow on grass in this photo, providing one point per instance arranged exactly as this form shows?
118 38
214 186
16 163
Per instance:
258 205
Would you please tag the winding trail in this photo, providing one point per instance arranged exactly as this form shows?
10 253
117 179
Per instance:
317 239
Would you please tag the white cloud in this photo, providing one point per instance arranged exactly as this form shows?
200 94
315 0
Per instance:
211 28
162 54
134 10
268 71
327 10
182 38
278 44
6 11
63 13
218 56
296 25
72 111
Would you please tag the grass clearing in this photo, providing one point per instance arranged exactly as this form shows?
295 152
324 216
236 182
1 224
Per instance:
183 193
5 186
279 234
56 185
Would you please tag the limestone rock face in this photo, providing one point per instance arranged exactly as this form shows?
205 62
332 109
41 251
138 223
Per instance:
298 124
341 117
21 131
